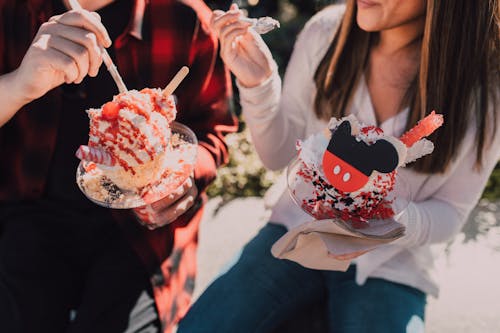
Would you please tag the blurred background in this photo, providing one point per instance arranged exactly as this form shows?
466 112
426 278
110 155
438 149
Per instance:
466 271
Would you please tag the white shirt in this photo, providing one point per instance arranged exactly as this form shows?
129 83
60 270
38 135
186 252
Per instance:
441 202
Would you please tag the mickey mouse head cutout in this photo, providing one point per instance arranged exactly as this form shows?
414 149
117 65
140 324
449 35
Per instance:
348 162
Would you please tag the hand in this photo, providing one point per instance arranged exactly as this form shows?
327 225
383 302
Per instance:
242 49
168 209
65 50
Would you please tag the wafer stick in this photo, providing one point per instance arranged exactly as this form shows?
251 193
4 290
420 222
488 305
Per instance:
170 88
422 129
95 155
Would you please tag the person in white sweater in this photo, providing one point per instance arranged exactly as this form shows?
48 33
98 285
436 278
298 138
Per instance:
389 63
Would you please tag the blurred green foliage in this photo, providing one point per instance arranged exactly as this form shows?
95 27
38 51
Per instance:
492 190
244 175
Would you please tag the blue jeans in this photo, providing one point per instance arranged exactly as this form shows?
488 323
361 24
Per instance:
261 292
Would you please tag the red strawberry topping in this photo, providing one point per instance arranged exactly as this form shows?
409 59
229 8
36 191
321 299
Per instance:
110 110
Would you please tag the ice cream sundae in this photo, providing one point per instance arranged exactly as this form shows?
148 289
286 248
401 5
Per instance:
135 148
348 171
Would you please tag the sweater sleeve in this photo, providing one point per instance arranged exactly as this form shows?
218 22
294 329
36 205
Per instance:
443 215
277 119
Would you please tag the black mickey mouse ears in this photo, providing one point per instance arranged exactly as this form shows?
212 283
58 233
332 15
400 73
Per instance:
381 156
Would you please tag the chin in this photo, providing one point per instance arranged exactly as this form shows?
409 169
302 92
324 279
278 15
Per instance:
367 22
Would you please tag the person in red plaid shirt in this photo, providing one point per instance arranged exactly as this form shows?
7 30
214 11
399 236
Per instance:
67 265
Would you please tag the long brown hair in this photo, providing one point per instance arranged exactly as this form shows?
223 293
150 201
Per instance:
459 74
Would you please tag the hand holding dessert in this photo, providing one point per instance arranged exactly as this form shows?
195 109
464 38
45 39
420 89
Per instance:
242 48
138 157
168 209
131 140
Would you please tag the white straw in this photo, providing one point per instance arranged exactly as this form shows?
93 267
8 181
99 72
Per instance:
181 74
74 4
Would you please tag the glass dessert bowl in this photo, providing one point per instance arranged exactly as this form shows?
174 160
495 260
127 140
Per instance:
315 196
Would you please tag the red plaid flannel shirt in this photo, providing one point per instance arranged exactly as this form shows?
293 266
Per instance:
179 35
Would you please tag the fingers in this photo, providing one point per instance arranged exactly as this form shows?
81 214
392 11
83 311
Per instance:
259 47
62 63
241 48
87 21
173 212
74 51
78 35
75 43
170 208
229 27
221 19
84 38
174 196
230 31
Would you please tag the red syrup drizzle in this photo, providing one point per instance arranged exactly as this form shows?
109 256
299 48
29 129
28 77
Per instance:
110 114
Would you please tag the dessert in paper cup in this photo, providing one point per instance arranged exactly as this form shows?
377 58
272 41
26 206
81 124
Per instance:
136 154
346 178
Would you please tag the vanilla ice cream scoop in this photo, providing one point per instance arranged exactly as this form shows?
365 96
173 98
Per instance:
134 129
